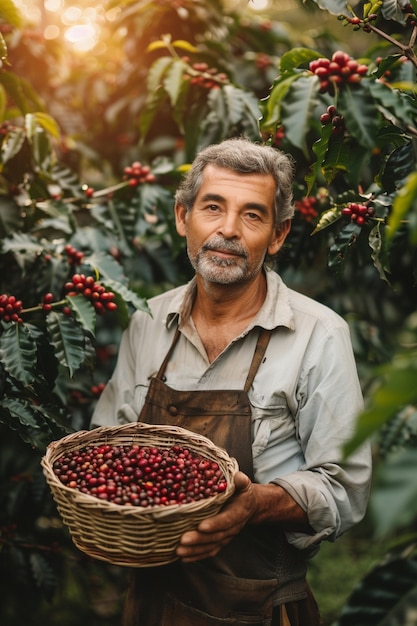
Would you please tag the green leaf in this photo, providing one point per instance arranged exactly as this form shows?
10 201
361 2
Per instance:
3 48
18 353
400 105
10 217
41 148
391 10
320 148
336 7
48 123
10 14
344 242
397 388
106 266
384 597
378 255
156 74
393 503
84 312
404 202
128 295
68 340
297 108
12 145
185 45
327 219
358 109
271 106
174 79
296 57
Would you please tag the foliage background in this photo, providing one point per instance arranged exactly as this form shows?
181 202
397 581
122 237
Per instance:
71 127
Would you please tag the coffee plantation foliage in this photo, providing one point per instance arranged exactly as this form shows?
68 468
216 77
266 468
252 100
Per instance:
92 149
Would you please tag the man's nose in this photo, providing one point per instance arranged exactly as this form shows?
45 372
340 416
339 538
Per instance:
230 225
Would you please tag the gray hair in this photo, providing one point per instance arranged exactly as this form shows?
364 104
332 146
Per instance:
244 157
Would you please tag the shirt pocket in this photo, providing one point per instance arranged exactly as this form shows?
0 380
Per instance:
271 422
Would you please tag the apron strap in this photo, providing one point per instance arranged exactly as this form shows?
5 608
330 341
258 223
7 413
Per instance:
164 363
258 355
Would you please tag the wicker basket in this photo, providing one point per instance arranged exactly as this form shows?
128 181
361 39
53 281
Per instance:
125 535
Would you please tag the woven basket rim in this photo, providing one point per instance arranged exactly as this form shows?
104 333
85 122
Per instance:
80 439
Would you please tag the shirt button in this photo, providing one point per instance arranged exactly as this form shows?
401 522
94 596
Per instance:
173 409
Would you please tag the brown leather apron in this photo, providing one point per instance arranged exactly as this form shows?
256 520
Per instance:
243 582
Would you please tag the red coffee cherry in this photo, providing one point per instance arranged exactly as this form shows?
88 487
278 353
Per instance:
133 475
97 294
10 309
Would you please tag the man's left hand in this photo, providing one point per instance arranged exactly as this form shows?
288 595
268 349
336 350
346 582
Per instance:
215 532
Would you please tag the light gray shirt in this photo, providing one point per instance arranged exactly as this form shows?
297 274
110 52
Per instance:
305 396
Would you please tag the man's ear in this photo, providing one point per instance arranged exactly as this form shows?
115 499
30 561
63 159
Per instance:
279 237
180 219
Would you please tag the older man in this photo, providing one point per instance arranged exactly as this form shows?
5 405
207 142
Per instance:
263 371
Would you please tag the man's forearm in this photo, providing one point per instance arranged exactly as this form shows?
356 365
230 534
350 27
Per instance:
274 505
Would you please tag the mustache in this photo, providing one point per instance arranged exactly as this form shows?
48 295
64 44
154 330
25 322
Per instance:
226 245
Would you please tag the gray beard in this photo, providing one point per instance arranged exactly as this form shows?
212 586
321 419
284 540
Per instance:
219 270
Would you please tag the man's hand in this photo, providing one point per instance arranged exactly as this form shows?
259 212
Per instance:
251 503
215 532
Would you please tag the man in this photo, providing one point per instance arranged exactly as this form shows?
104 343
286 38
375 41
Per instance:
263 371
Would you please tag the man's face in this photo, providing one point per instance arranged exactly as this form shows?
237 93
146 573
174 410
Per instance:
231 226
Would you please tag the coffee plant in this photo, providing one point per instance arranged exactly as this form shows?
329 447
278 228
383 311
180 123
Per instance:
91 150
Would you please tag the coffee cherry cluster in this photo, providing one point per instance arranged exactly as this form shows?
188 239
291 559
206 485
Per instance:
98 295
358 213
141 476
75 257
207 77
307 208
10 308
137 174
337 71
333 117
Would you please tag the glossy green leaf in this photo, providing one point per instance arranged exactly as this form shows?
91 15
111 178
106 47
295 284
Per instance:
106 266
400 105
271 106
84 312
339 251
336 7
67 338
358 110
391 10
297 109
320 148
327 219
382 591
127 294
297 57
378 254
18 353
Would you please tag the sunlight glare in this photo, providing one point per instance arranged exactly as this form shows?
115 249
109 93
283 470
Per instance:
83 37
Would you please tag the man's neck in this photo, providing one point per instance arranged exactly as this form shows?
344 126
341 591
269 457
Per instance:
222 312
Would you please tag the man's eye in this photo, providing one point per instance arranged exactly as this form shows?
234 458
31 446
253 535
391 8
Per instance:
253 216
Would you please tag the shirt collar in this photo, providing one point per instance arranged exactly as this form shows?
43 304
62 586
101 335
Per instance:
275 311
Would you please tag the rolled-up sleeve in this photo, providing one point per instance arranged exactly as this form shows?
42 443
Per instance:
333 490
